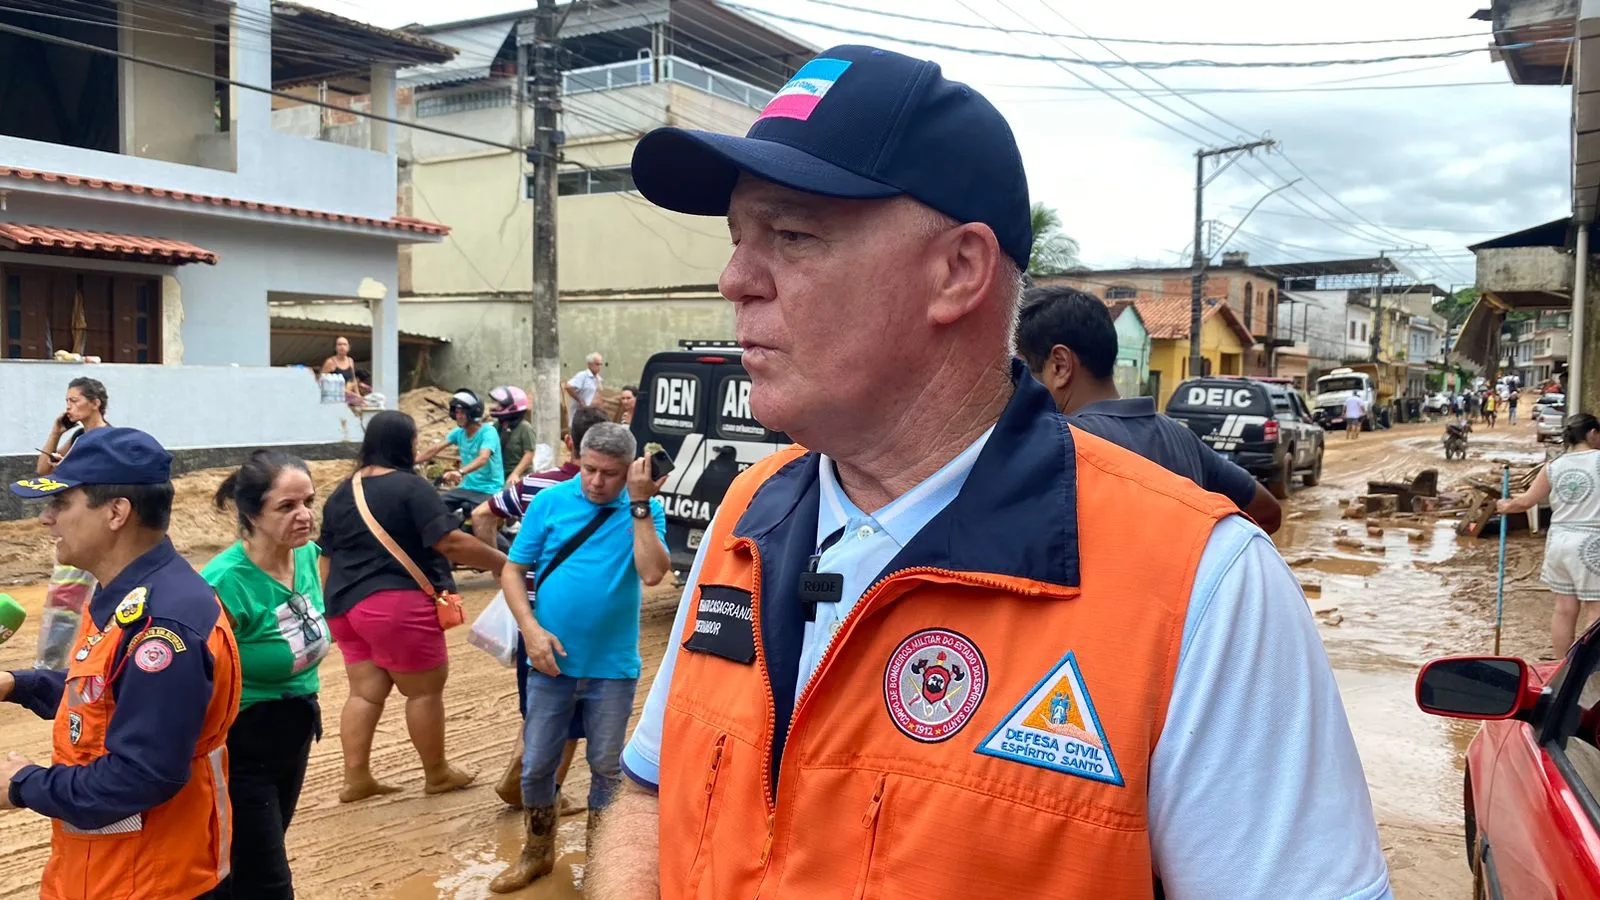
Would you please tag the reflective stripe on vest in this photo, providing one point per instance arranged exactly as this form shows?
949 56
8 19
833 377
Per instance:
129 825
224 810
966 732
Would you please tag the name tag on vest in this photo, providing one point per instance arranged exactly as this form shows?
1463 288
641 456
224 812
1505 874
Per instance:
722 624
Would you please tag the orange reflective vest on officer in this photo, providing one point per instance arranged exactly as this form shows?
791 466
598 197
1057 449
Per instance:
982 722
137 785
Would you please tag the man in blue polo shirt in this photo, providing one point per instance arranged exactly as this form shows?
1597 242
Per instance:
591 543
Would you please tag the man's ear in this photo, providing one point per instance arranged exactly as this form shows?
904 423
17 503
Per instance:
120 513
1060 368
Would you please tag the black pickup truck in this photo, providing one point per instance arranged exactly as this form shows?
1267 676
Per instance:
1262 425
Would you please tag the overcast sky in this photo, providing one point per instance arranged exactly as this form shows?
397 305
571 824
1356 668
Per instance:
1440 167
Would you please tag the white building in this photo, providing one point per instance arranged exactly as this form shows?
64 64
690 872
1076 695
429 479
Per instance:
148 217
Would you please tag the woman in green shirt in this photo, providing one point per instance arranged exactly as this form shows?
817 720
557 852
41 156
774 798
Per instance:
270 584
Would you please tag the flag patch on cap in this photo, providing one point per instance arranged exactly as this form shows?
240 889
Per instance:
805 90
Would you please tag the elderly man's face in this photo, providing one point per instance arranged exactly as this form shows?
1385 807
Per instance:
830 302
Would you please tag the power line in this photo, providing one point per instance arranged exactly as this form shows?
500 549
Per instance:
220 79
1269 212
1148 64
1302 90
1148 41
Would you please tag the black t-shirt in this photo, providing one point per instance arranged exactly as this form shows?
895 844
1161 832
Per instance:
407 507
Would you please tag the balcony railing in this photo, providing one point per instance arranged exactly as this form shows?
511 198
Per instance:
634 72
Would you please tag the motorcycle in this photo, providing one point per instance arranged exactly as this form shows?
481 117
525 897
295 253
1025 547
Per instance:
1455 440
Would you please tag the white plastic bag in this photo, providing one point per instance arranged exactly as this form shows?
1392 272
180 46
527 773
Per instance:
495 631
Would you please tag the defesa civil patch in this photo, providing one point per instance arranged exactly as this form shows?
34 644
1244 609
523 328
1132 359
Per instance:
1055 727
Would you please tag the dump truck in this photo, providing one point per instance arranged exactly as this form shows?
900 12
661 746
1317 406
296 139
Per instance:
1375 383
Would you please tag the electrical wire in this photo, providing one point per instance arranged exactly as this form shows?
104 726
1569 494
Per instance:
1304 90
1147 41
1149 64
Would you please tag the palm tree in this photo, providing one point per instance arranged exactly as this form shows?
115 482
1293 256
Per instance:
1054 251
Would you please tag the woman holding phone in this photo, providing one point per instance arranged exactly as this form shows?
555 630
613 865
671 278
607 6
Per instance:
86 411
69 588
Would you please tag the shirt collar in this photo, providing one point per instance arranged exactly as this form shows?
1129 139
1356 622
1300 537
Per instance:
135 574
907 513
1122 408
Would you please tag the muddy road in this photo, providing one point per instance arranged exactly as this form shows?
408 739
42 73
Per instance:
1385 604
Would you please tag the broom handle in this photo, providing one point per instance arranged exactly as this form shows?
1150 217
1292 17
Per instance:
1500 580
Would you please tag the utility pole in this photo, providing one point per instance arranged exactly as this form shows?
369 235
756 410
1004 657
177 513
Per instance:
1377 297
544 86
1197 287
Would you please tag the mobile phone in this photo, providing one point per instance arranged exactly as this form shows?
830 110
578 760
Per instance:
660 464
66 421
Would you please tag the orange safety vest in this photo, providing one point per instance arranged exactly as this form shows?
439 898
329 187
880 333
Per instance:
970 732
176 851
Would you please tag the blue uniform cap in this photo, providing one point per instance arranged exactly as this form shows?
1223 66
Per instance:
104 456
857 122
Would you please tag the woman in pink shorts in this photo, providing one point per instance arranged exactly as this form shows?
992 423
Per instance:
385 626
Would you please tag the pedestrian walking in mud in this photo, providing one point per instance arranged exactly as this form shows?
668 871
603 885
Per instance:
1570 483
1511 407
383 618
914 652
513 503
1069 342
137 784
1489 403
270 581
1354 410
590 540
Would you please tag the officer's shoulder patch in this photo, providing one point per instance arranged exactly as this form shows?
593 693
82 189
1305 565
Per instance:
153 654
165 634
1055 727
131 609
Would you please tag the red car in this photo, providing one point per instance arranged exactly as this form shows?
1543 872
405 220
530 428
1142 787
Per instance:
1533 769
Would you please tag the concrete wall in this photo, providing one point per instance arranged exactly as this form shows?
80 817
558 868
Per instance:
629 331
270 167
1133 354
167 116
250 406
1516 269
615 241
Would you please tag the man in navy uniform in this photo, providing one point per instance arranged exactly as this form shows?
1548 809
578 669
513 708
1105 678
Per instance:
137 781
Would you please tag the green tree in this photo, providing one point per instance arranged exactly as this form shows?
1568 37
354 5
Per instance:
1054 251
1456 306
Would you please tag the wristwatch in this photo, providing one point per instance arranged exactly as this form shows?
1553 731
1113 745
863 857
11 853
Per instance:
641 509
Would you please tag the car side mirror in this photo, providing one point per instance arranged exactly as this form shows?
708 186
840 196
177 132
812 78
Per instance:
1475 687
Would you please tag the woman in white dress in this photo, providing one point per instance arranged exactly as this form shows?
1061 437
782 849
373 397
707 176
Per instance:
1571 482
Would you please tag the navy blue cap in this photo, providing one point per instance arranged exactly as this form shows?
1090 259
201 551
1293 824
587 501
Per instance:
862 123
104 456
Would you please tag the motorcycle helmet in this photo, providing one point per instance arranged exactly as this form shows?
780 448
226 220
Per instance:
467 402
509 402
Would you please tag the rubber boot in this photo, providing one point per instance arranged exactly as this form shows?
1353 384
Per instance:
538 857
510 787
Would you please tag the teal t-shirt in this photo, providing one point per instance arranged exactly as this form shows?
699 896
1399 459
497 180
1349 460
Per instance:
282 634
490 478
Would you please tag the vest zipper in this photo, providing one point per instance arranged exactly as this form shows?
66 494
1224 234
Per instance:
767 795
709 821
869 821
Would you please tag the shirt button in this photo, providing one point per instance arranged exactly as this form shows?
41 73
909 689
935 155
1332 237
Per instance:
834 628
864 532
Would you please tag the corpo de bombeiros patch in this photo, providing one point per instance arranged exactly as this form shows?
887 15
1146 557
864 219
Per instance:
933 684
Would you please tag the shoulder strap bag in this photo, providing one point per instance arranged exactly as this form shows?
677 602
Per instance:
447 603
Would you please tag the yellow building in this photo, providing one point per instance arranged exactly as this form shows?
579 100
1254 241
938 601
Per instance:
1224 340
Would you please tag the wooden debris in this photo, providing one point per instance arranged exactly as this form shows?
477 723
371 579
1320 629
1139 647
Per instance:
1348 543
1382 504
1374 531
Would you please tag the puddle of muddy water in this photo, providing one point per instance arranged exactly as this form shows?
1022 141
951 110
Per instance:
1413 761
464 872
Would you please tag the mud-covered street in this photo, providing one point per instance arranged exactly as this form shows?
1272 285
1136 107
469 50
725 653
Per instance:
1384 602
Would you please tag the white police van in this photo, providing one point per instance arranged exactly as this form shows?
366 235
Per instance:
695 403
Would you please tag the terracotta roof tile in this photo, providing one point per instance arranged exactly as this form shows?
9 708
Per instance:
398 223
1167 318
122 246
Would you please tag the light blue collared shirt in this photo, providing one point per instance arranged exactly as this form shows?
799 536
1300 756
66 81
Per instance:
1256 790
